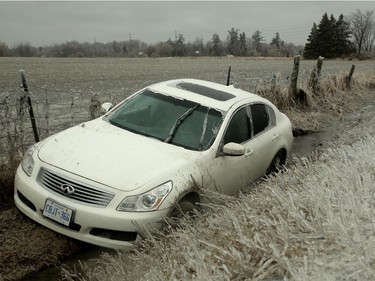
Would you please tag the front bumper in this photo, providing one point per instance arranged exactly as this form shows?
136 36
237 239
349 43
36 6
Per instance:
102 226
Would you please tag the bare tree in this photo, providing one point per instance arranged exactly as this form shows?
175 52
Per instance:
362 26
370 35
4 50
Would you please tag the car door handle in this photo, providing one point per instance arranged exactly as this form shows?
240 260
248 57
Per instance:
275 137
249 152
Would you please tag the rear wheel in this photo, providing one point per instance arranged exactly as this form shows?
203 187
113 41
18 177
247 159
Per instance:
276 164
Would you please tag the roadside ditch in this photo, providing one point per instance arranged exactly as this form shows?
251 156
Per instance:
31 252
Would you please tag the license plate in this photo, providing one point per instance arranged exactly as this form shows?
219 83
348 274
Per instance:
57 212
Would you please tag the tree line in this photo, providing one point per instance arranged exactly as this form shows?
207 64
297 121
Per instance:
236 44
330 38
333 38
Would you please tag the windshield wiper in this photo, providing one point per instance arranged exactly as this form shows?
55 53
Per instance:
179 121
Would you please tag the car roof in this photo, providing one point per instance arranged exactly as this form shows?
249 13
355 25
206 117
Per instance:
207 93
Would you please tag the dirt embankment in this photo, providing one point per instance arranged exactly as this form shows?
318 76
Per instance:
26 247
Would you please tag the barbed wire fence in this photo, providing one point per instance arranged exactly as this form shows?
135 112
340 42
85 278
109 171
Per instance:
57 109
54 110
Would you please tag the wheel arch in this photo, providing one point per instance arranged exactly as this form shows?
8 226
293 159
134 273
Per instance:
192 196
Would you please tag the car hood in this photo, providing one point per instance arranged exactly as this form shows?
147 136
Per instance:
109 155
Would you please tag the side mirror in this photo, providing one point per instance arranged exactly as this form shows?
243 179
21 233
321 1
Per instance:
107 106
233 149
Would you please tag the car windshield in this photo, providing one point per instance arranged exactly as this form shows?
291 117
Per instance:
172 120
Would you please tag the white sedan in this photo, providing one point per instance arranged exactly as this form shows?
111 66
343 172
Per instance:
149 158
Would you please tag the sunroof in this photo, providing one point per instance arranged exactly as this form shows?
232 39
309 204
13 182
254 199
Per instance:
205 91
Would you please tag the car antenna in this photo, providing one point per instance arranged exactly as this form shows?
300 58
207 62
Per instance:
228 78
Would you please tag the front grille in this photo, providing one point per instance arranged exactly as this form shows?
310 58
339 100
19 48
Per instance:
76 190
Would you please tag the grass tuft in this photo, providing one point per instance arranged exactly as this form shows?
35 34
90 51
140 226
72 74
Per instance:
313 222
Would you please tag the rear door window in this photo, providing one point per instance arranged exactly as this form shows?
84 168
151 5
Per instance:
262 116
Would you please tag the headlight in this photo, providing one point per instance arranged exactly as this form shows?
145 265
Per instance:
28 161
149 201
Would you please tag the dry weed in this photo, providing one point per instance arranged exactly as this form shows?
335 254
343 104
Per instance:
313 222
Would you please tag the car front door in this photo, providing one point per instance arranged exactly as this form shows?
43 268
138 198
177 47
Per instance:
229 173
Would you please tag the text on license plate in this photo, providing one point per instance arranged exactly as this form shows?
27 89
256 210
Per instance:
57 212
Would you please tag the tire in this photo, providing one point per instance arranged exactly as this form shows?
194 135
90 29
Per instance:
276 164
183 209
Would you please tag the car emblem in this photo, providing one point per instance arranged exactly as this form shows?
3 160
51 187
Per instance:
67 188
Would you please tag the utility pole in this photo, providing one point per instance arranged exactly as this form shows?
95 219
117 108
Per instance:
175 42
94 46
130 44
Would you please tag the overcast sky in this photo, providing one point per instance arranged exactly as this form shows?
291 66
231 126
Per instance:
47 22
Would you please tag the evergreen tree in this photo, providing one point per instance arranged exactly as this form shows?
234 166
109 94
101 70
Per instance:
276 41
312 45
329 39
326 34
243 44
217 46
233 42
180 47
258 40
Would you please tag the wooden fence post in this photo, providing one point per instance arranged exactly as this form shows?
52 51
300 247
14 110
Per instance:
31 111
348 79
294 78
95 106
315 75
319 65
228 77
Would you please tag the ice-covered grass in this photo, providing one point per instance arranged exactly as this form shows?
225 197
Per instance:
313 222
234 244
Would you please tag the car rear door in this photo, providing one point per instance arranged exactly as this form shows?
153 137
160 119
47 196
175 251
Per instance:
264 127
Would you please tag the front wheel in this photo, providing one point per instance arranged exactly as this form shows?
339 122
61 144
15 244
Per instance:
184 208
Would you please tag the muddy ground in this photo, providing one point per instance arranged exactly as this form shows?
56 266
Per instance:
26 247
